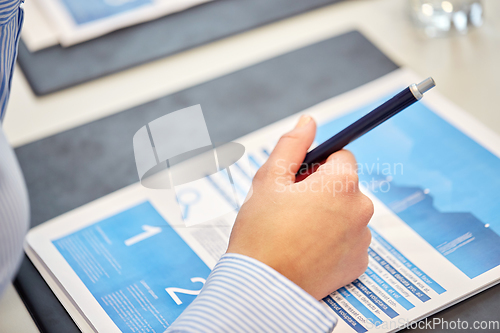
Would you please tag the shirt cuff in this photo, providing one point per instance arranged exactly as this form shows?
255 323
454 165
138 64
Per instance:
243 294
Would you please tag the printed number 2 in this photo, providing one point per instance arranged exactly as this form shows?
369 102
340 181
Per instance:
172 290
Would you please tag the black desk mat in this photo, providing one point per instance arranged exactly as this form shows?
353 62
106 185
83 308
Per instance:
56 68
72 168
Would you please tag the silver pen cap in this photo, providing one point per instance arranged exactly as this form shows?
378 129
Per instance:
419 89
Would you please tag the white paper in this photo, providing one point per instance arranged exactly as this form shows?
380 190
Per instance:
75 21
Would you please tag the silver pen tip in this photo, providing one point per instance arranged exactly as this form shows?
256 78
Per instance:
426 85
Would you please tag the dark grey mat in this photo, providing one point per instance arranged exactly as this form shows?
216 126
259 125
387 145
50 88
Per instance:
72 168
56 68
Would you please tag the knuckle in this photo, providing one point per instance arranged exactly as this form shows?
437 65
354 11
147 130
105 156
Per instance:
365 262
343 156
288 136
260 175
362 264
324 169
352 177
366 207
368 238
350 183
347 153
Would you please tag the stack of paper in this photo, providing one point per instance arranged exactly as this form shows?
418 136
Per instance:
68 22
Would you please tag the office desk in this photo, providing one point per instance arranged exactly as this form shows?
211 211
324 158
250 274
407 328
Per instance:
464 61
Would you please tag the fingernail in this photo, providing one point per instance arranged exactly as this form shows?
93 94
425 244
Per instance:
303 121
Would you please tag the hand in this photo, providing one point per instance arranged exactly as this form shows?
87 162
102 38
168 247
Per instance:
314 231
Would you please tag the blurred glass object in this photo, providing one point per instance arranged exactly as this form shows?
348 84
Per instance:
437 18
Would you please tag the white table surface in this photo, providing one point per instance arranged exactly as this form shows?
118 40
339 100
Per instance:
466 70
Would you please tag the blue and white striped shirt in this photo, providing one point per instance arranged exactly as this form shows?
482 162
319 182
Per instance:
240 295
11 20
14 211
244 295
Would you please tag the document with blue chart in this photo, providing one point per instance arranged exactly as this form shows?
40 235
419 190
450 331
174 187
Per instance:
75 21
118 261
130 261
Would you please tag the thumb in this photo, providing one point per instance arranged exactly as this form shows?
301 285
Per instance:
291 150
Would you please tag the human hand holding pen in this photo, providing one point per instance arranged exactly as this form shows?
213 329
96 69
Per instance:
314 232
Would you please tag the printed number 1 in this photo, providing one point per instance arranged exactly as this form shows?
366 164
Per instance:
148 232
172 290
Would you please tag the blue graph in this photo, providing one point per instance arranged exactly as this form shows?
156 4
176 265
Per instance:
435 178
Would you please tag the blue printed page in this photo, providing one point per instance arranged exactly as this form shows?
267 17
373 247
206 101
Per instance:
76 21
436 179
142 273
88 11
141 256
434 187
138 265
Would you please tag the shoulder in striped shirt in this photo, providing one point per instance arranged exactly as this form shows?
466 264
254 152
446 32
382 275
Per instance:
11 20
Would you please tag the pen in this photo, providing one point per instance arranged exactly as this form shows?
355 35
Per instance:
396 104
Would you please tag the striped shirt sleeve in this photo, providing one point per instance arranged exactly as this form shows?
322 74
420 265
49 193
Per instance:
244 295
11 20
14 210
14 213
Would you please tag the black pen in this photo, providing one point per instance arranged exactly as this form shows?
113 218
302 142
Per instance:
398 103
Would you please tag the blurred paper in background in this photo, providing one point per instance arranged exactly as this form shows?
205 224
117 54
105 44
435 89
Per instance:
75 21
